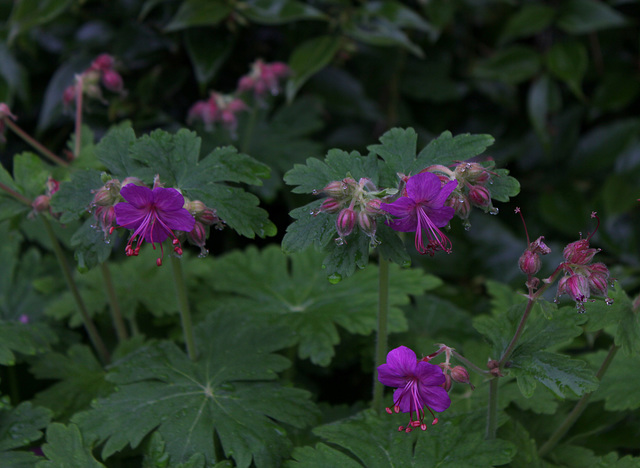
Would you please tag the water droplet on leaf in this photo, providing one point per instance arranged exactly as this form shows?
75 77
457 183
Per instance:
339 241
203 253
494 211
608 301
334 278
315 192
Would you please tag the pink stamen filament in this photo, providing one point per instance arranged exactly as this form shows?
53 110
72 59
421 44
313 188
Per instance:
437 239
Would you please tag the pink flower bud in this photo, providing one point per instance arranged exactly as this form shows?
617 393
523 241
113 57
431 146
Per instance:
459 374
529 263
102 62
599 279
41 203
198 235
578 252
280 69
479 196
209 217
330 205
576 286
112 81
246 83
447 382
460 204
373 206
69 95
5 112
334 189
367 223
345 222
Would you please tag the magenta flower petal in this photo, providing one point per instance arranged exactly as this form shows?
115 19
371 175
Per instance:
152 215
437 397
423 210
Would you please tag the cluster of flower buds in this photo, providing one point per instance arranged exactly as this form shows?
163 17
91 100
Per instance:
205 217
264 77
458 374
471 191
218 108
582 277
42 202
104 200
5 113
357 203
88 82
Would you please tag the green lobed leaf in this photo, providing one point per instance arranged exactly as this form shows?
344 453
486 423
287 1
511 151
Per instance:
80 378
586 16
502 186
91 246
618 387
21 425
399 15
280 11
398 150
156 456
447 149
618 319
300 298
226 393
308 59
373 441
227 164
569 456
199 13
24 338
510 65
568 61
30 174
114 151
75 196
66 449
308 229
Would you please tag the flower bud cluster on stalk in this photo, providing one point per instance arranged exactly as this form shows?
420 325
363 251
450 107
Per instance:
101 71
357 204
224 108
42 202
152 214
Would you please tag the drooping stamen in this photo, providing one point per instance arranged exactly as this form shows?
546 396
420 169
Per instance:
594 214
437 239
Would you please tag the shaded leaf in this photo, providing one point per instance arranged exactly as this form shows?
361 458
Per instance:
66 449
23 338
199 13
568 61
447 149
308 59
21 425
280 11
511 65
619 383
74 197
585 16
529 20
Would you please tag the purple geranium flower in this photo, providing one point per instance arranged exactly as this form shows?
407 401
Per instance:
418 385
152 215
423 208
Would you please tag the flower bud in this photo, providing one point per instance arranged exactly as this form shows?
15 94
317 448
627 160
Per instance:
529 263
373 206
345 222
69 95
578 252
367 223
41 203
112 81
479 196
330 205
576 286
460 204
598 279
209 217
447 382
334 189
5 112
472 172
198 235
102 62
459 374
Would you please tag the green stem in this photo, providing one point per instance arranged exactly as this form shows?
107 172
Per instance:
518 332
578 409
183 305
116 314
492 411
94 336
246 138
78 130
34 143
381 339
468 363
21 198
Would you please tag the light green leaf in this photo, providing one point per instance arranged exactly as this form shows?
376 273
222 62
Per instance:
66 449
226 393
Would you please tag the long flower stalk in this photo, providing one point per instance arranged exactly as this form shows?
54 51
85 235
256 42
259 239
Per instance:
34 143
94 336
183 306
381 337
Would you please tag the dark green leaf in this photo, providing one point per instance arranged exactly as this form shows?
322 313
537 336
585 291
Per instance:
511 65
538 103
75 196
616 90
568 61
379 31
300 297
308 59
568 456
619 383
226 164
66 449
280 11
374 442
199 13
529 20
309 229
586 16
208 52
12 73
113 151
29 13
21 425
81 379
502 186
391 246
91 246
398 149
398 14
447 149
224 394
23 338
30 174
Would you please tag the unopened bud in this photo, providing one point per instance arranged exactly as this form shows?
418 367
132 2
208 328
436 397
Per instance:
373 206
330 205
460 204
479 196
459 374
102 62
447 382
578 252
5 112
529 263
198 235
367 223
599 279
41 203
345 222
112 81
576 286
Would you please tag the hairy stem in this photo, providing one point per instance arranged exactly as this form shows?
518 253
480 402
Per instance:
183 305
468 363
114 305
21 198
34 143
381 339
94 336
578 409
